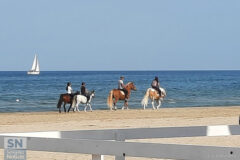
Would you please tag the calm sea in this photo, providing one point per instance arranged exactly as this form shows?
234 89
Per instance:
184 88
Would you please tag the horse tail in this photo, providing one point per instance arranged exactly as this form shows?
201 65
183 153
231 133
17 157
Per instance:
110 100
145 98
74 101
60 101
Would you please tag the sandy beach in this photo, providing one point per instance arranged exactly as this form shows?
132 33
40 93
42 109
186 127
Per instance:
53 121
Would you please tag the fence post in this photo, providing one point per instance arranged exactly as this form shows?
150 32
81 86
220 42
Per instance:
97 157
119 137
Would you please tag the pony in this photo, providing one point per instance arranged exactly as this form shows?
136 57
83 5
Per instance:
117 94
67 99
154 96
83 100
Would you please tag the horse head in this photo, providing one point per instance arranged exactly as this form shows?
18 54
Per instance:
92 94
163 91
131 86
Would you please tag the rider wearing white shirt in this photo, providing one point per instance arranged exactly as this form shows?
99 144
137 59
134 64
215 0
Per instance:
121 87
69 88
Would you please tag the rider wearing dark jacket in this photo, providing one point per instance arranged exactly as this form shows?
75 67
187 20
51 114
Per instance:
84 91
156 85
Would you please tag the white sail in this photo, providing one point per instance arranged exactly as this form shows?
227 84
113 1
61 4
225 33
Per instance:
35 66
34 63
37 69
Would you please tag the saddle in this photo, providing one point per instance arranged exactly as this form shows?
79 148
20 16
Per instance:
153 89
121 91
87 96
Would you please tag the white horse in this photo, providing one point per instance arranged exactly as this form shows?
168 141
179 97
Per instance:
154 96
83 100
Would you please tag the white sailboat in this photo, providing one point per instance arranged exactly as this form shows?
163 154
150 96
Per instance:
35 67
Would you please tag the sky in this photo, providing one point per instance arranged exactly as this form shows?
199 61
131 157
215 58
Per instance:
83 35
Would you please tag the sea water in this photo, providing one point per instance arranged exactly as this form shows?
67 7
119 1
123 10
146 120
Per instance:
20 92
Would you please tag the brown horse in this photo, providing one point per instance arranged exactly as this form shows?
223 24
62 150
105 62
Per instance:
154 96
67 99
119 95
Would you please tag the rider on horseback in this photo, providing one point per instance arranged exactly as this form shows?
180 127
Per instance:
121 87
156 85
69 88
84 91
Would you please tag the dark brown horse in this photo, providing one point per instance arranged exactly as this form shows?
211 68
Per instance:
117 94
66 99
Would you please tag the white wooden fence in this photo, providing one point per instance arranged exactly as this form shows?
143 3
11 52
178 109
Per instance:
112 142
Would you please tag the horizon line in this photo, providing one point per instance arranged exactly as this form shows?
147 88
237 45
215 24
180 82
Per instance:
125 70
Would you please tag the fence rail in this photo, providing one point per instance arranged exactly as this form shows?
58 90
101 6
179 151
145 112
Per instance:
100 142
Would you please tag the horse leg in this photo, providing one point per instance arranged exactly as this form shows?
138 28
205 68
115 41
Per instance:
153 104
59 109
69 107
144 106
159 104
85 108
64 107
77 106
125 105
114 103
74 108
90 106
